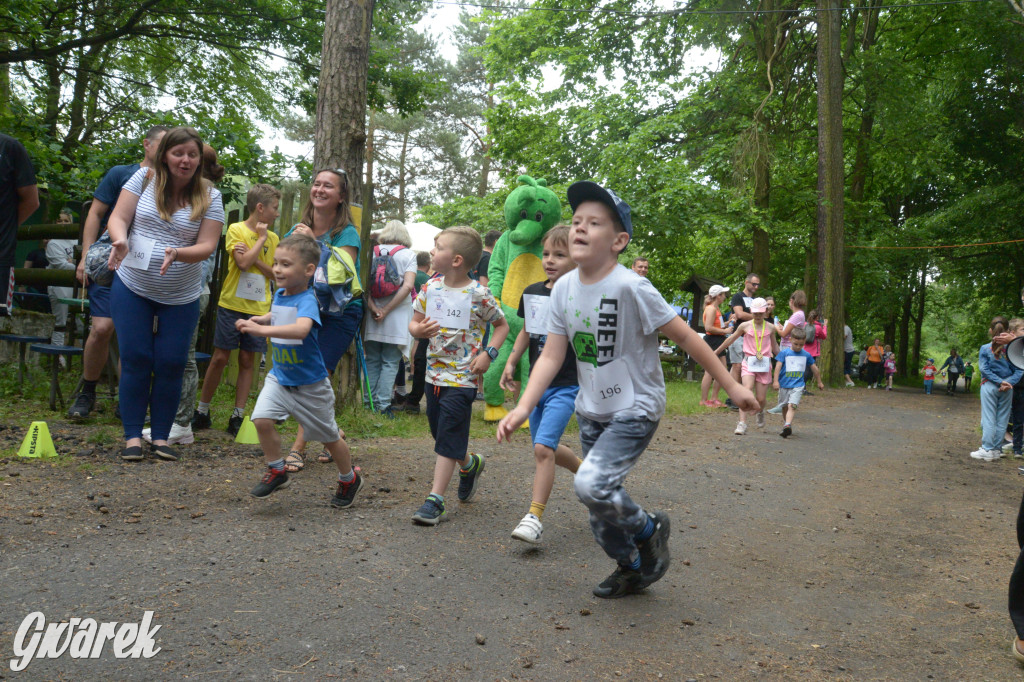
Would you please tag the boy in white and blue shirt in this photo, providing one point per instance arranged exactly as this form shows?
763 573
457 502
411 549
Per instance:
298 385
790 366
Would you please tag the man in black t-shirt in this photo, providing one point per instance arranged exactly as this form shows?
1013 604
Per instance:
19 198
480 272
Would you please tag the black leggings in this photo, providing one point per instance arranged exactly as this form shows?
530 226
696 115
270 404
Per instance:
951 379
1016 600
874 372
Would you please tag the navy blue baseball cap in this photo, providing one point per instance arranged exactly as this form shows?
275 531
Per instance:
591 191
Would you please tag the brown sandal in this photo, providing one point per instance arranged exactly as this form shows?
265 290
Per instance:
293 462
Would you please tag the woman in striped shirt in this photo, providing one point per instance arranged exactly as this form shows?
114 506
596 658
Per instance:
175 219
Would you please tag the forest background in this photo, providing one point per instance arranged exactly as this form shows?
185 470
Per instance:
702 115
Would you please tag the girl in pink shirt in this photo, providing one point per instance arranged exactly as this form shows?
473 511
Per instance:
759 346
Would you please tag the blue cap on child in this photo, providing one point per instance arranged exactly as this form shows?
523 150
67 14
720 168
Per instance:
591 191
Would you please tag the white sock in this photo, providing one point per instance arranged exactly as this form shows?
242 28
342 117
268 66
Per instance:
203 408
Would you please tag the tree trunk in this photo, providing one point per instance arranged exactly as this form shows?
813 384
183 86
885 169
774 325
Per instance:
402 174
832 239
371 205
341 116
903 343
483 184
918 321
762 199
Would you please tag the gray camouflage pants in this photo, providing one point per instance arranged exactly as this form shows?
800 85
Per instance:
610 450
190 380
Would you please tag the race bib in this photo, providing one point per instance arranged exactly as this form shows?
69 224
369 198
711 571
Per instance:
762 365
140 251
796 364
451 309
606 389
281 315
536 309
252 287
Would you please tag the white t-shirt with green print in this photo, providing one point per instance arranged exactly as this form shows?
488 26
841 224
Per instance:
613 327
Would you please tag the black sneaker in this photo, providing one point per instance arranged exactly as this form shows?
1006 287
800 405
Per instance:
272 480
654 555
200 421
469 481
234 424
621 582
82 406
347 492
430 513
787 430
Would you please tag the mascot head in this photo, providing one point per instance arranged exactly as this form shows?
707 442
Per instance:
531 210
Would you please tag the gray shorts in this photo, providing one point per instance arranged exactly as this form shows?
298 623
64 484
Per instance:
790 396
735 352
312 406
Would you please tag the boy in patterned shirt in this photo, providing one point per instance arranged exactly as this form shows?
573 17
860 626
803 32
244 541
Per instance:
452 311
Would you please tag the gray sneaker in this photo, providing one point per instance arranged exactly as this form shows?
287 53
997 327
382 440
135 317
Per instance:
760 419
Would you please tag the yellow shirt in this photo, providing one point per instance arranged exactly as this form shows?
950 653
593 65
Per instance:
242 291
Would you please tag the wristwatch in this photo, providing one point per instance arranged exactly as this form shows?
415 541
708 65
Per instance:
492 352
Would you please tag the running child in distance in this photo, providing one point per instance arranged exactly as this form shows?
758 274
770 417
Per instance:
790 368
298 384
759 346
612 316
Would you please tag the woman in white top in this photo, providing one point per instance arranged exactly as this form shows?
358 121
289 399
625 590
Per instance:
387 325
175 219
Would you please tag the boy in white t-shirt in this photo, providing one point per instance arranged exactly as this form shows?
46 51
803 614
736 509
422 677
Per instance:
612 317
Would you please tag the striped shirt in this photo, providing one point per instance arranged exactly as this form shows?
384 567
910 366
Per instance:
183 281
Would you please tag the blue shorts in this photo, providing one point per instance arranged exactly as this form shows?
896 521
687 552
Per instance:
99 300
549 419
449 412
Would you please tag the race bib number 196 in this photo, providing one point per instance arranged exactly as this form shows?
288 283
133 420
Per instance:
606 389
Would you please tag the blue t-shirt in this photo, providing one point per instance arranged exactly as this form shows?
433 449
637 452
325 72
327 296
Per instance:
297 363
347 237
110 188
793 367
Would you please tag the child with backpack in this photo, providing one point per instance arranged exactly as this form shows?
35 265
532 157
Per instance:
392 278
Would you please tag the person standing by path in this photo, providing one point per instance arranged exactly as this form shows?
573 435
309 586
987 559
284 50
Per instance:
848 351
104 201
998 377
175 219
874 357
328 219
714 334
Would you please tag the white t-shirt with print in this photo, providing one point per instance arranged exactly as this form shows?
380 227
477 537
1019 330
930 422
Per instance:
395 327
613 327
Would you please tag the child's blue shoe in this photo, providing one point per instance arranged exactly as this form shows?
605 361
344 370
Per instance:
468 480
431 513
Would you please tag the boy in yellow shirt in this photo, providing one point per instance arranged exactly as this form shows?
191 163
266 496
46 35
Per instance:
247 292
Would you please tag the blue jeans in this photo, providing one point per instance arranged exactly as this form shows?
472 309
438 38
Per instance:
995 414
336 334
152 364
382 361
928 386
610 450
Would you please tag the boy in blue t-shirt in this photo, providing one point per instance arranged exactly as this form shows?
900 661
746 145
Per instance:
298 385
790 366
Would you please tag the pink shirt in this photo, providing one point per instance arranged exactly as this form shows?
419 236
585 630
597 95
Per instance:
763 339
797 320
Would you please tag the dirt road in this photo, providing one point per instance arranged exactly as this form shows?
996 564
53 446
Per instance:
867 546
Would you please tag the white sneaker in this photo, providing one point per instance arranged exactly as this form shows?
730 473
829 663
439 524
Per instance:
741 428
529 530
760 419
1007 447
986 455
849 384
995 454
179 435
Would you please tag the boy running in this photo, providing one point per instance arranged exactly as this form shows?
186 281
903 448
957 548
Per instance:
247 292
790 366
452 311
298 384
549 419
612 316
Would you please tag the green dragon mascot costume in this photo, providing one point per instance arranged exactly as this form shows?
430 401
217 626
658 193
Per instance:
530 211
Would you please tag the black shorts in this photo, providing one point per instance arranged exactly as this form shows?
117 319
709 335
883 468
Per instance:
449 411
225 335
714 340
